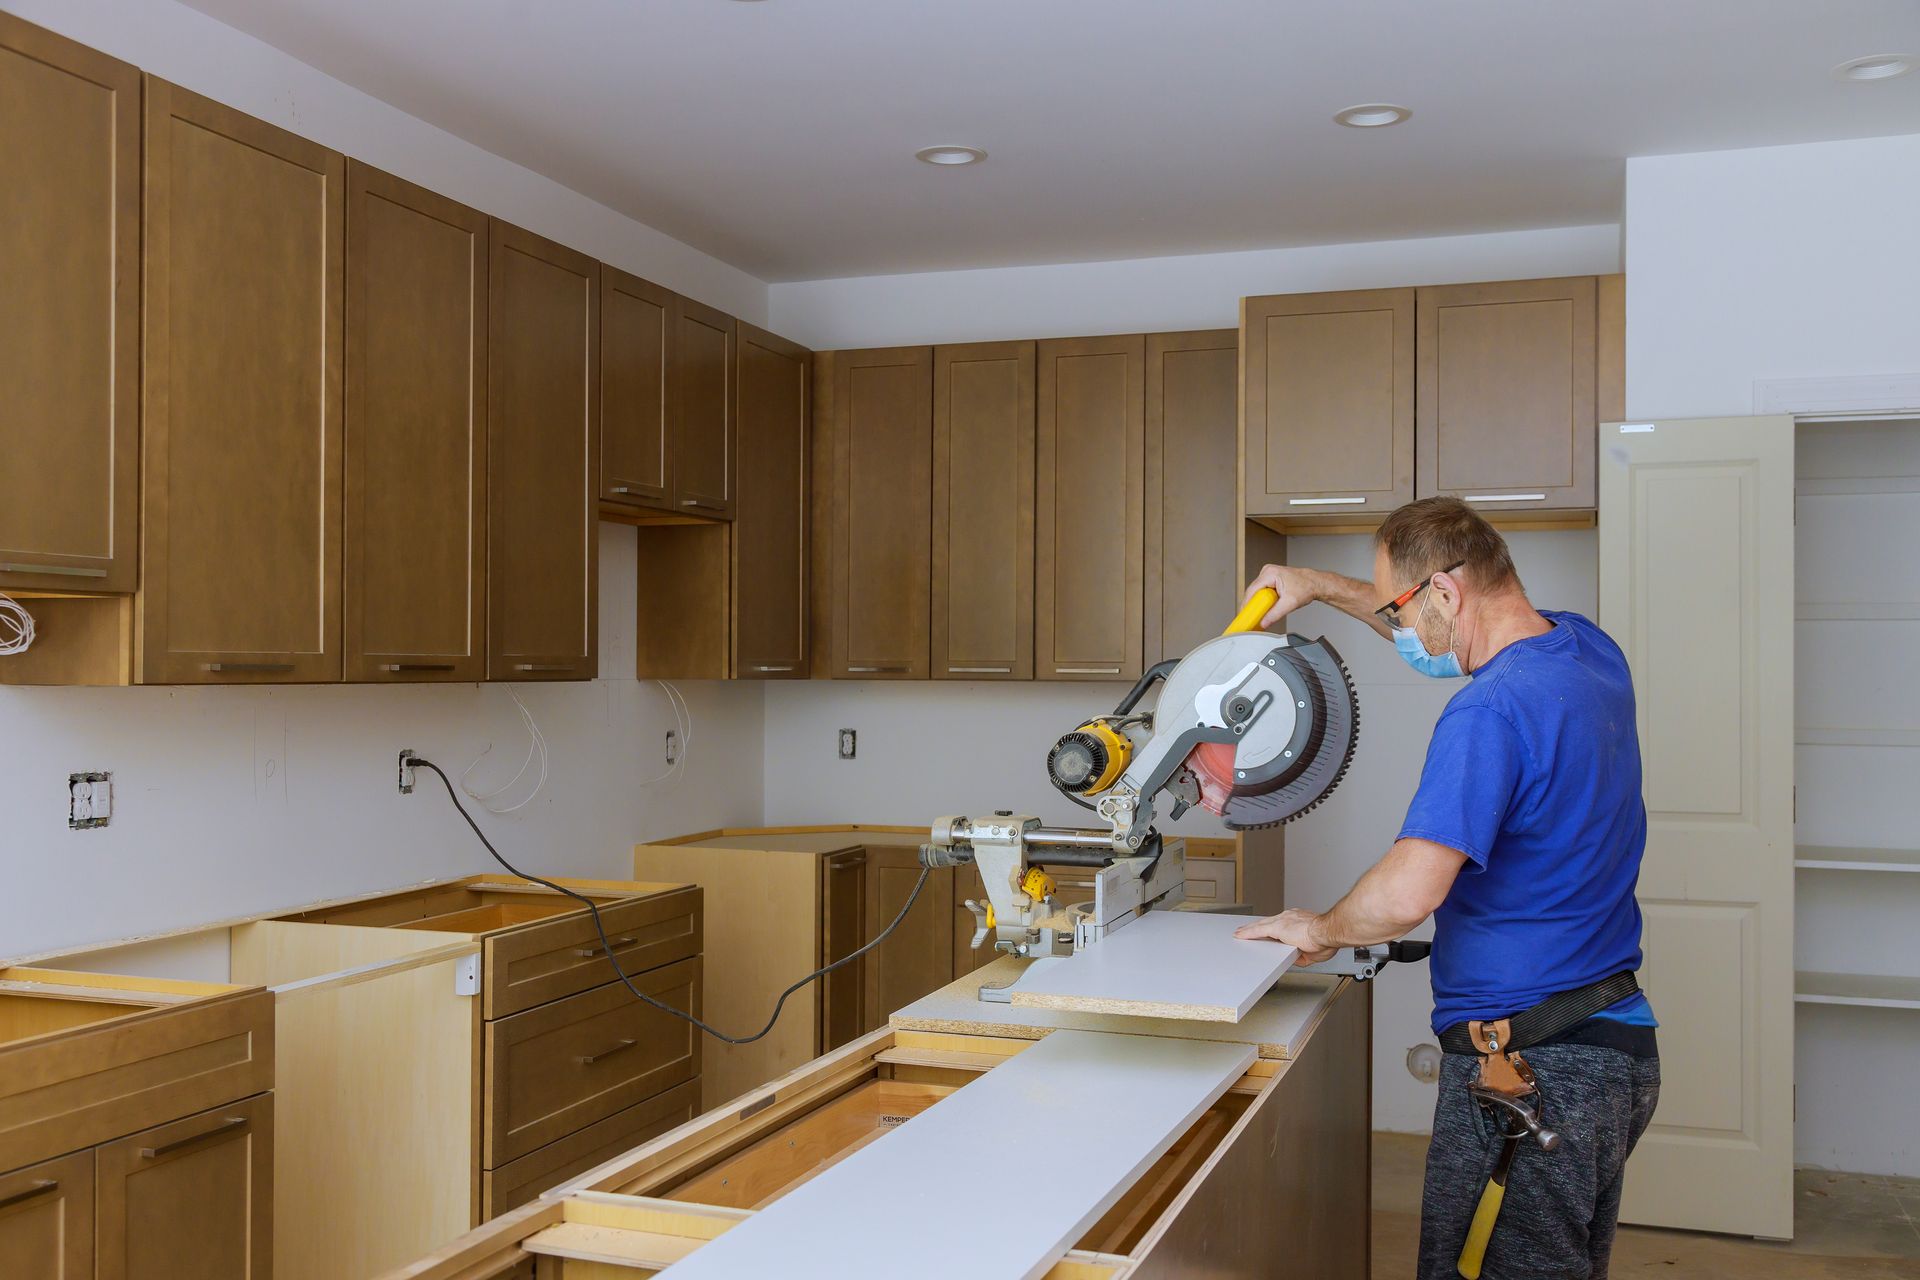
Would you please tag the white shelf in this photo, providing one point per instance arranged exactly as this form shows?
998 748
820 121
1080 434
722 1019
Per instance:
1876 991
1827 858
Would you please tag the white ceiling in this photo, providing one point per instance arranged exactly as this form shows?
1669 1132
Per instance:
779 135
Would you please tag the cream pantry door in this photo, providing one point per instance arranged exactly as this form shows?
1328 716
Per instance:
1696 585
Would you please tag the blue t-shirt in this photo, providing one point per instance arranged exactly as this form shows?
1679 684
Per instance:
1534 774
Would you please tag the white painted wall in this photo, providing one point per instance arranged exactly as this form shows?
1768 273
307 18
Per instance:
1149 295
1778 262
196 52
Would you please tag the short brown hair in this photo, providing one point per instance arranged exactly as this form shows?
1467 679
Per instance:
1434 534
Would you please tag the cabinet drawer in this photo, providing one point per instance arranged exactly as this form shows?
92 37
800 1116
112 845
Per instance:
553 959
1210 880
46 1220
561 1067
532 1175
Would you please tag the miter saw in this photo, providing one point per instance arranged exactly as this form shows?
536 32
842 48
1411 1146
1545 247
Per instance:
1255 727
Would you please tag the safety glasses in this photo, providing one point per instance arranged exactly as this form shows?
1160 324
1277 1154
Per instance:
1389 612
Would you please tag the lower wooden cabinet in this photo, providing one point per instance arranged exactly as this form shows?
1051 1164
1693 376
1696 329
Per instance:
918 957
46 1220
191 1200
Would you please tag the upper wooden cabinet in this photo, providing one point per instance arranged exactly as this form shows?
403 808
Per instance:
882 428
69 307
636 460
1192 525
543 445
240 576
1089 556
769 596
1506 395
983 487
1329 385
702 409
415 536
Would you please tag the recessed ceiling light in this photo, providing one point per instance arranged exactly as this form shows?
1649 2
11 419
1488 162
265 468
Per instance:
1880 66
1371 115
948 153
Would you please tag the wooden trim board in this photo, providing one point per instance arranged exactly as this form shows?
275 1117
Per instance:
1167 964
1125 1099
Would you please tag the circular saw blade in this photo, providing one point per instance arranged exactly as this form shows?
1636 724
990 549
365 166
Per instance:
1336 711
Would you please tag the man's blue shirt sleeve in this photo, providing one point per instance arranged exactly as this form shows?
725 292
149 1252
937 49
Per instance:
1474 766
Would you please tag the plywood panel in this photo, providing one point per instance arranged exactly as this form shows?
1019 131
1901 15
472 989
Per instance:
872 1205
1167 964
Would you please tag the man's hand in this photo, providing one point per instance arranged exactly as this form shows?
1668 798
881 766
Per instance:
1295 587
1294 927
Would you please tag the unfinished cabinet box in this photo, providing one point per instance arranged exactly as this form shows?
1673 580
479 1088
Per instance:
1506 395
241 420
1192 531
69 370
768 604
983 511
636 457
1089 538
1329 404
416 415
543 447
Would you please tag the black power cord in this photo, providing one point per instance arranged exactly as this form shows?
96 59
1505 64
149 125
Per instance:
415 761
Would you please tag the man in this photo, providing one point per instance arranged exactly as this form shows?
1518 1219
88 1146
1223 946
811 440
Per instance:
1524 843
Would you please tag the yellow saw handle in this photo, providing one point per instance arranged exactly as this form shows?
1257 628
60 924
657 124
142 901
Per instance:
1474 1252
1248 619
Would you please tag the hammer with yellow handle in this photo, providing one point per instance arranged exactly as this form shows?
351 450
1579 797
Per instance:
1515 1120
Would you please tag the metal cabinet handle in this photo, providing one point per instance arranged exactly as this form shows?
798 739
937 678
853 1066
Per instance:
783 666
840 862
981 671
58 570
1086 671
1506 497
587 953
895 667
416 666
622 488
588 1060
246 666
543 666
225 1126
703 504
34 1192
1322 502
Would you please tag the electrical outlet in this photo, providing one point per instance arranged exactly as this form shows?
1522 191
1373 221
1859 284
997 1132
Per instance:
89 800
406 771
848 743
673 746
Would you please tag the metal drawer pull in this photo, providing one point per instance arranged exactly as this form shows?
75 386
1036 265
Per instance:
699 502
981 671
543 666
33 1192
416 666
225 1126
623 488
897 667
787 666
1086 671
59 570
1506 497
1322 502
246 666
591 1058
845 860
588 953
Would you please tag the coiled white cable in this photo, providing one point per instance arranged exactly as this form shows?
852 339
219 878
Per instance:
536 747
16 626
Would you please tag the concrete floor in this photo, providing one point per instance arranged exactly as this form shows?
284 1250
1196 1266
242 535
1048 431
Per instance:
1847 1227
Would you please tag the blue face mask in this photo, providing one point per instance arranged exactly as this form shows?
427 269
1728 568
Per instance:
1442 666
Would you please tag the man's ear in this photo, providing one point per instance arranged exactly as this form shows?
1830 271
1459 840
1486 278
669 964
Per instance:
1447 587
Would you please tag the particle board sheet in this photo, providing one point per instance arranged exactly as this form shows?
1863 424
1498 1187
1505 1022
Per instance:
931 1198
1277 1025
1167 964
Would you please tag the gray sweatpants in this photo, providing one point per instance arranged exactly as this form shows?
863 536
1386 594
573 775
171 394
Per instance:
1558 1217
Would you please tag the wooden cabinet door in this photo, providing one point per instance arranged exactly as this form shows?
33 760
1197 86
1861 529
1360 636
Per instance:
982 588
191 1200
770 615
1089 540
636 461
882 511
1329 402
1192 516
1506 394
543 438
702 409
416 472
240 559
46 1220
918 957
843 912
69 307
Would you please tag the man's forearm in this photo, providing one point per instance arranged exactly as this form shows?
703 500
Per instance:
1393 897
1350 596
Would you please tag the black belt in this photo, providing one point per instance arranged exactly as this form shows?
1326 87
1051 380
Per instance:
1551 1016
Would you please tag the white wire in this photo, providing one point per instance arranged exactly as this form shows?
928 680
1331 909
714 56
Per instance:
16 626
683 725
536 747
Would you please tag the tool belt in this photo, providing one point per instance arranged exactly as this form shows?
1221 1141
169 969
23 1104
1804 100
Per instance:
1544 1021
